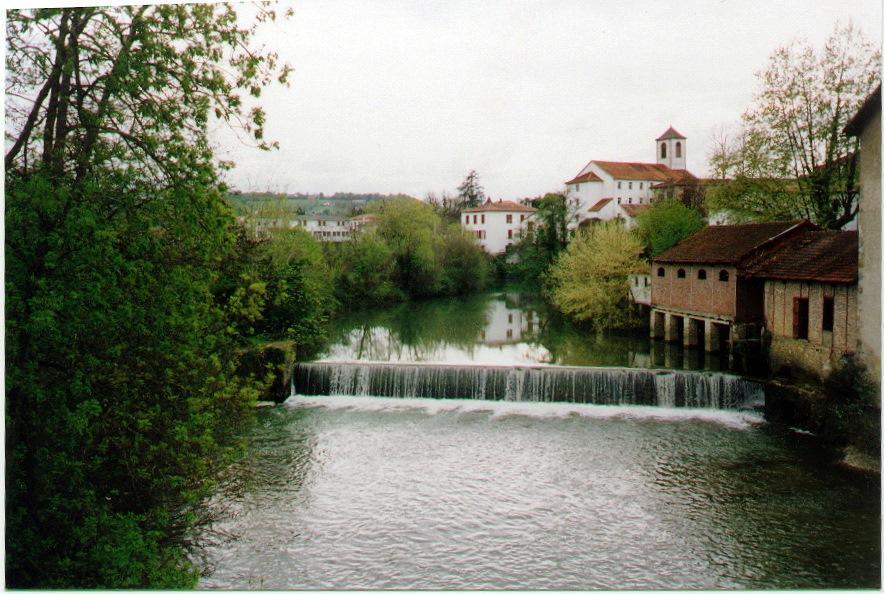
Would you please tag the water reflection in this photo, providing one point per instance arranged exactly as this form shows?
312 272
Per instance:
502 328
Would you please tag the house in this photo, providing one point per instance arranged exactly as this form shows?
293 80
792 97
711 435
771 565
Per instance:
324 227
866 125
700 293
497 225
810 298
605 190
363 221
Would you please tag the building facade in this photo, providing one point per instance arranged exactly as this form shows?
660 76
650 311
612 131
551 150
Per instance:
700 292
606 190
810 300
866 124
498 225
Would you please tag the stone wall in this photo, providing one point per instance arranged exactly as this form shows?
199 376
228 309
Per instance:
870 246
819 354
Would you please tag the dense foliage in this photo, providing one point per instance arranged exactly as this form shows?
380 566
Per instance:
666 223
128 291
791 158
408 253
536 252
590 278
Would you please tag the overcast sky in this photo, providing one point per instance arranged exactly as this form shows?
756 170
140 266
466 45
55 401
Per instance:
409 96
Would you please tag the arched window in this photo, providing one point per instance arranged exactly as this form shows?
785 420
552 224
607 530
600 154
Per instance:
663 151
661 271
723 276
681 273
701 274
677 150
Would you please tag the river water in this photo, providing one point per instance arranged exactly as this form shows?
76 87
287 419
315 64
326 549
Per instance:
372 491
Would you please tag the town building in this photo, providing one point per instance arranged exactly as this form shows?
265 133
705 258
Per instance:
327 228
866 125
700 293
498 225
606 190
810 299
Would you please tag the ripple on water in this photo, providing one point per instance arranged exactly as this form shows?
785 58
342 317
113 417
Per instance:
384 493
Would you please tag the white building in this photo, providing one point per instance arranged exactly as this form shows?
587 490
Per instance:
497 225
605 190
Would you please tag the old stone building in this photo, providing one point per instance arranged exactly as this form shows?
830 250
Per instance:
810 299
700 294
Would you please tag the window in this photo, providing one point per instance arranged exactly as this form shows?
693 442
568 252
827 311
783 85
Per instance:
681 273
678 150
630 185
646 282
661 271
828 314
577 188
701 274
723 276
521 218
509 333
618 200
509 218
466 219
483 219
663 151
619 185
641 185
629 200
509 233
799 318
510 318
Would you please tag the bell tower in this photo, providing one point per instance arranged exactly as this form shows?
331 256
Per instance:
672 149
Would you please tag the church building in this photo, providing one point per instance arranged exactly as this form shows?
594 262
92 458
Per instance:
605 190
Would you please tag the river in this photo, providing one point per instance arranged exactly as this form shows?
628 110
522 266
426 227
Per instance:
381 492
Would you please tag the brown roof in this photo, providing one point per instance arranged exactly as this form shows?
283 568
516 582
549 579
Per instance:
727 244
870 107
501 206
599 205
633 210
679 177
821 256
586 177
643 171
671 133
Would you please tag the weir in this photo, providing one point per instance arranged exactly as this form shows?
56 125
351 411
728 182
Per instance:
590 385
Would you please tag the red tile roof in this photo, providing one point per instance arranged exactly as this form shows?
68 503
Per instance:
671 133
729 244
633 210
640 171
501 206
599 205
679 177
586 177
821 256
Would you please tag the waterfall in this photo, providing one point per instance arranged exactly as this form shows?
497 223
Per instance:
591 385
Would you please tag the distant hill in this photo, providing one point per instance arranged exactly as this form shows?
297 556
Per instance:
271 204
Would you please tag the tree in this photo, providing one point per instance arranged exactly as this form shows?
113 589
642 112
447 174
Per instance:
590 278
537 250
791 158
122 330
409 228
469 192
465 266
666 223
367 271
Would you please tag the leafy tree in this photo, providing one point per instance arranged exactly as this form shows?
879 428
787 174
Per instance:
537 250
122 326
409 228
590 278
367 271
666 223
470 192
465 266
791 158
298 288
